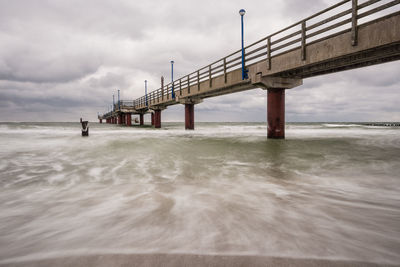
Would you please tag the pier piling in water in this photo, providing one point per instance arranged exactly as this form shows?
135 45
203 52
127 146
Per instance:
85 127
141 119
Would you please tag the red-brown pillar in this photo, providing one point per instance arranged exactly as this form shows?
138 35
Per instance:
141 119
120 118
157 118
128 119
276 113
152 118
189 116
100 121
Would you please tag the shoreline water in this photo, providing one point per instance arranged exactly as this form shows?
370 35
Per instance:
189 260
329 191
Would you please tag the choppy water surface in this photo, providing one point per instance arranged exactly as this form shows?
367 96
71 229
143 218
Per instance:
327 191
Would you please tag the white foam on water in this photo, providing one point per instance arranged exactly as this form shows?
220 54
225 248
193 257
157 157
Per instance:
221 189
341 125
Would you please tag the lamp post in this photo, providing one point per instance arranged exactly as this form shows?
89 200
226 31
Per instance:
113 104
119 105
145 91
172 79
244 71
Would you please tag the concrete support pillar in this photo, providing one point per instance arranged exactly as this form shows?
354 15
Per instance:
189 110
189 116
141 119
276 113
152 118
128 119
276 87
157 118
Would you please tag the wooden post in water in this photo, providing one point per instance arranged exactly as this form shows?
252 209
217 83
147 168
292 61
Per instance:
85 128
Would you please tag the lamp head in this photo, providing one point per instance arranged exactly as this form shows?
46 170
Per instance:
172 62
242 12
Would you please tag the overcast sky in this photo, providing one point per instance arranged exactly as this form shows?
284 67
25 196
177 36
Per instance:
64 59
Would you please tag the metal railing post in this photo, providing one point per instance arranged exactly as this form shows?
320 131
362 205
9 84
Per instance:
303 40
224 69
269 52
188 83
354 33
198 80
209 75
162 87
180 86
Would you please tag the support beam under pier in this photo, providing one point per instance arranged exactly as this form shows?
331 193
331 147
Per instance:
120 119
189 111
141 119
276 87
189 116
128 119
276 113
157 118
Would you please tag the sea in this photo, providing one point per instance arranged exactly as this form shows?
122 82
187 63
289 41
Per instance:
328 191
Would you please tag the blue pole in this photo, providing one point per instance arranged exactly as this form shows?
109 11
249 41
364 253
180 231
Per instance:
172 78
244 71
145 92
119 105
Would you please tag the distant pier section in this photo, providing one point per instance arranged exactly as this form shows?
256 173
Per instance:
384 124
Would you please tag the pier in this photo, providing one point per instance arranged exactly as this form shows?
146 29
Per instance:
350 34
